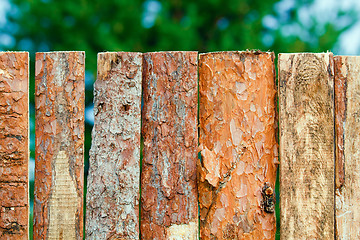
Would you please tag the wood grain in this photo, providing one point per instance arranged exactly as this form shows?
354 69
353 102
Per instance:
14 145
238 145
347 113
112 209
169 207
306 146
59 150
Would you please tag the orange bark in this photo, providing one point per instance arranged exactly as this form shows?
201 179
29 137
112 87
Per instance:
238 163
14 141
59 169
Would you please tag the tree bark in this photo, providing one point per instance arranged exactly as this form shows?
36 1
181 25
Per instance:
238 164
114 176
306 146
59 150
169 207
347 101
14 145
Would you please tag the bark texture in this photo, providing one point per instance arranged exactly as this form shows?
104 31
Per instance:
237 170
112 209
14 145
59 173
347 113
306 146
169 208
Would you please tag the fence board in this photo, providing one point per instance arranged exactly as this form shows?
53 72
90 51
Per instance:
238 145
169 208
14 145
114 176
59 105
306 146
347 101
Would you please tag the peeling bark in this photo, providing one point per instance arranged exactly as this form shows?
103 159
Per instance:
237 144
169 208
306 146
59 150
347 101
14 145
340 87
114 176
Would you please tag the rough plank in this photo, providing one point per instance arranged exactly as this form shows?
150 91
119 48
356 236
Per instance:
112 209
59 150
14 145
169 208
306 146
347 113
238 164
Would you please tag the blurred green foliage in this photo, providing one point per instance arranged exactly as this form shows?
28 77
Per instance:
205 25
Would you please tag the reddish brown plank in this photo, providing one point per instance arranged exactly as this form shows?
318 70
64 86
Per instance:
238 147
112 209
59 150
14 142
169 208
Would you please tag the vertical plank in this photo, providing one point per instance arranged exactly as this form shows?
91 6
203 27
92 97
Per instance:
112 209
238 164
59 150
14 145
169 208
306 146
347 113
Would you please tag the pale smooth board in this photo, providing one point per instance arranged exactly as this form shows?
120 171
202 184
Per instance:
347 95
306 102
113 191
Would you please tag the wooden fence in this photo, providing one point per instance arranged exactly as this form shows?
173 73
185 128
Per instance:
183 147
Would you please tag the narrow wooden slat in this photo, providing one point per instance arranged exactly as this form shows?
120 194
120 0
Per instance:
59 150
347 119
14 145
169 207
112 209
238 147
306 146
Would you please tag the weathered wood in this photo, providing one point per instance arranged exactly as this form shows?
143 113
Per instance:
347 113
112 209
14 142
169 208
238 146
59 150
306 146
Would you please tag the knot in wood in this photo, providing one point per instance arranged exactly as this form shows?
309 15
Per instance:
268 202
